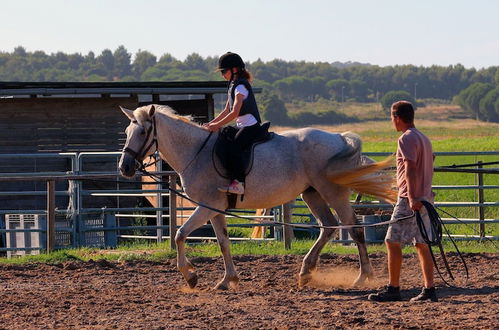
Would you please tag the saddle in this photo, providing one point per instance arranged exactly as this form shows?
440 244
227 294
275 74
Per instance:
226 137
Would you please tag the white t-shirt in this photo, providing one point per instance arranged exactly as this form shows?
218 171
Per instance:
248 119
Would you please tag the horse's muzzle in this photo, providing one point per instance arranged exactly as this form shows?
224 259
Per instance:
127 165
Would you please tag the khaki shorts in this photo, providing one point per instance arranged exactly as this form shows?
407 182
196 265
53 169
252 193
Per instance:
407 230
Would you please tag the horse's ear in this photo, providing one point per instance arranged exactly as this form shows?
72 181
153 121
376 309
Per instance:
128 113
151 111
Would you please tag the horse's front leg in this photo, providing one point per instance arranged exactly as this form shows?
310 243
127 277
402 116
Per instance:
199 217
230 278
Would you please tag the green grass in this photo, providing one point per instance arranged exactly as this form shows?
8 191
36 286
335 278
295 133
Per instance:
158 252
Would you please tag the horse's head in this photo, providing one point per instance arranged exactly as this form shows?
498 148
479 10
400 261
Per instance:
140 139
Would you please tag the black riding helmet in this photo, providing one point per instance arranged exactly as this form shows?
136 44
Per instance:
230 60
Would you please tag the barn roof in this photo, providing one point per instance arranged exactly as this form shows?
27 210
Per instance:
8 88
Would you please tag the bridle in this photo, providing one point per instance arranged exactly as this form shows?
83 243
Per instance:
141 153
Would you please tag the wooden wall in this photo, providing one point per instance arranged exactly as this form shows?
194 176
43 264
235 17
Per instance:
39 125
62 124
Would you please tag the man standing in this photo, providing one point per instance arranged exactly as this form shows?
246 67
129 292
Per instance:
414 175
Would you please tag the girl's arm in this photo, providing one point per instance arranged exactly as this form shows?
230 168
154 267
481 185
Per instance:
227 116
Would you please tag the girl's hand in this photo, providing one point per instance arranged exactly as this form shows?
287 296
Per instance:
211 127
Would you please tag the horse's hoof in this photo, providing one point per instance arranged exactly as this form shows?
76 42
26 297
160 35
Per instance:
221 286
360 281
233 283
190 266
303 280
192 281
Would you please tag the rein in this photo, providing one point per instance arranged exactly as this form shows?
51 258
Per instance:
293 225
198 152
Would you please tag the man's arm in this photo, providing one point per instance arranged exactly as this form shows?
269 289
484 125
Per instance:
410 177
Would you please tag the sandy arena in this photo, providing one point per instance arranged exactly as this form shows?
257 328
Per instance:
149 295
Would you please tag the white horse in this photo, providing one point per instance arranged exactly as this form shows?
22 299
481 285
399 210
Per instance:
321 166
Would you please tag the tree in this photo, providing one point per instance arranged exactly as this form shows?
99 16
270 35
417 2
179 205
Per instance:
122 65
358 90
391 97
487 106
274 109
472 97
337 87
296 87
143 60
20 51
195 62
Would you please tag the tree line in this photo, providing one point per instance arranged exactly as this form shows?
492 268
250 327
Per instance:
288 80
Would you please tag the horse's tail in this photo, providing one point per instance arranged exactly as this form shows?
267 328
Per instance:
367 179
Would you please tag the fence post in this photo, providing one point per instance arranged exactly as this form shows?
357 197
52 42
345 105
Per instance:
159 198
172 208
287 230
481 200
50 215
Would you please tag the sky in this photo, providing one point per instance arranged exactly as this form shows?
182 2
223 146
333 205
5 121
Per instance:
381 32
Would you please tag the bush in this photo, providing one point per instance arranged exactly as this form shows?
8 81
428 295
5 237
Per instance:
391 97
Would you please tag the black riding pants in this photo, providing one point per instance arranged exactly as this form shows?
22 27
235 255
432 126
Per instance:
243 139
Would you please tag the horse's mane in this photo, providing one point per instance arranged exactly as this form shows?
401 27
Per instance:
142 114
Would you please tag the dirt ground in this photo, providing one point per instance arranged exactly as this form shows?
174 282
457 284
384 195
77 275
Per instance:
141 294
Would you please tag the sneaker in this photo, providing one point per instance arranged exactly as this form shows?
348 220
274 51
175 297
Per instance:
426 294
388 293
235 187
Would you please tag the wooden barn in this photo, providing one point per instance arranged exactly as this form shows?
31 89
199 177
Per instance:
79 117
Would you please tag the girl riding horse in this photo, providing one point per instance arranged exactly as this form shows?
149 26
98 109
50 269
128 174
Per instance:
241 106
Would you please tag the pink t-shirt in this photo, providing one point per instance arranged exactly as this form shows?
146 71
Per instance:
415 146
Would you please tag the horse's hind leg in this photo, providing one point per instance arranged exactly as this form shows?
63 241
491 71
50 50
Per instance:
196 220
322 213
339 200
230 277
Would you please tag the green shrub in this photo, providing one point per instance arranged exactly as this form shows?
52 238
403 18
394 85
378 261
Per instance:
391 97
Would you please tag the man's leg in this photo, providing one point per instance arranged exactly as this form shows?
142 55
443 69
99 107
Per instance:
392 291
394 263
426 263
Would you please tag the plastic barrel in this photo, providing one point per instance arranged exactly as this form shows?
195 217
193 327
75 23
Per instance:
375 234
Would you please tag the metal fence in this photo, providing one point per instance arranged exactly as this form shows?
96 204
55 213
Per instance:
78 224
